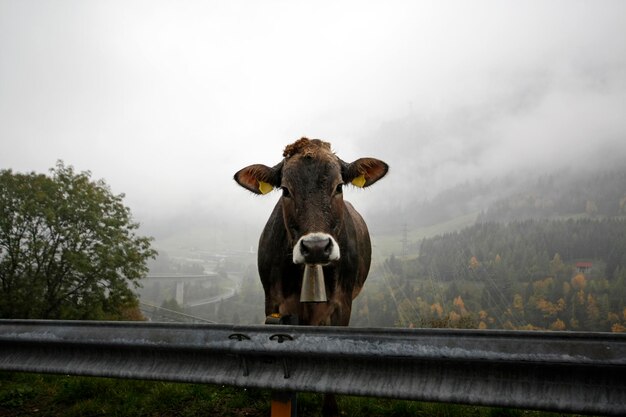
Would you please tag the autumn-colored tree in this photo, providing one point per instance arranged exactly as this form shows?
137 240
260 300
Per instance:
557 325
579 282
459 306
549 310
473 263
437 310
618 328
542 288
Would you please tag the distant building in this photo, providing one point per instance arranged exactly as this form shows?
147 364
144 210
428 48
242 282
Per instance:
583 267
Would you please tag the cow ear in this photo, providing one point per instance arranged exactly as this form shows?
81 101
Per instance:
259 179
364 171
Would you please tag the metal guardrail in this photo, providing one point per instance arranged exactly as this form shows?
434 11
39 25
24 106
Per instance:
567 372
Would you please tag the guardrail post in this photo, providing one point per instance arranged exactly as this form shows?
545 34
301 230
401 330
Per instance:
284 403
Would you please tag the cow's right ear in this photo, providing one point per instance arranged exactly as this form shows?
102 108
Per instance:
259 179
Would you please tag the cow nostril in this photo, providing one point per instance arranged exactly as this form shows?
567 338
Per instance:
329 247
304 248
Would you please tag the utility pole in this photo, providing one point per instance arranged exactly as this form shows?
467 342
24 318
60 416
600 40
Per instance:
405 240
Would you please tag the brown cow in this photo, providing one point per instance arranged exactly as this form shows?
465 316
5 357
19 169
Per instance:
312 224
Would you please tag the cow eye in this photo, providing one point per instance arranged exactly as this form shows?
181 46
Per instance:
339 189
286 192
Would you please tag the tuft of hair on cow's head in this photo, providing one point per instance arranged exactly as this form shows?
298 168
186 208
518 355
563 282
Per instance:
306 147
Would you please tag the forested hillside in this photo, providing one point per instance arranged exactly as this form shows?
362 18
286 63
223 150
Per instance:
520 275
523 250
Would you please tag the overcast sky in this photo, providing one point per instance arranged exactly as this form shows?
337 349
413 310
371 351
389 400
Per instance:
165 100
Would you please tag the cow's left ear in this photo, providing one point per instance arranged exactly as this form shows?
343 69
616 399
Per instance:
259 179
364 171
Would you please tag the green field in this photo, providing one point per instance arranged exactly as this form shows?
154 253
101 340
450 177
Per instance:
387 244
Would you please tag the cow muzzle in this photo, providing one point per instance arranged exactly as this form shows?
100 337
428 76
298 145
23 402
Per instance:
315 249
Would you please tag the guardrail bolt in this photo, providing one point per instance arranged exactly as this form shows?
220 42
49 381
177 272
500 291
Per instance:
280 338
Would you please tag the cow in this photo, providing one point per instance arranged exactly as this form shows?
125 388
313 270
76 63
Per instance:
312 224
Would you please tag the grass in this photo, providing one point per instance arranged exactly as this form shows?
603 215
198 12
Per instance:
56 396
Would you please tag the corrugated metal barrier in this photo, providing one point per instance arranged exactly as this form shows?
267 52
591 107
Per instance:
558 371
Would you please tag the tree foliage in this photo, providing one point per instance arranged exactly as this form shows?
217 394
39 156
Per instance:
68 247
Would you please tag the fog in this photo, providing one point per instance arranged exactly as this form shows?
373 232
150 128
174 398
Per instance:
165 100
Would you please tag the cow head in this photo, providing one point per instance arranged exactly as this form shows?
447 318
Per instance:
312 178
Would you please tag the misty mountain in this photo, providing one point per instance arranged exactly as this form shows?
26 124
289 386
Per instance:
566 193
599 194
459 200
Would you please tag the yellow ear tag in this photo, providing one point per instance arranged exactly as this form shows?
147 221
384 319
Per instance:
359 181
265 187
